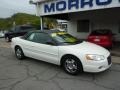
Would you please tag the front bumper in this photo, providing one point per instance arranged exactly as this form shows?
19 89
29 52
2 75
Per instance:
98 66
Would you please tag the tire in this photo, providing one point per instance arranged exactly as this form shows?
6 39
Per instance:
7 39
19 53
72 65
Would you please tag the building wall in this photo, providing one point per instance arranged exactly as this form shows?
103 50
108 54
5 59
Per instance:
103 16
52 7
109 19
72 29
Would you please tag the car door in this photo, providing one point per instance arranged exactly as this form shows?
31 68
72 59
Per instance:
37 47
27 45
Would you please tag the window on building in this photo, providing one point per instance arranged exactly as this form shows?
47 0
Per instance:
119 27
83 25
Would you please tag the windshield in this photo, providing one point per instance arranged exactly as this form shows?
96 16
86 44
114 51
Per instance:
64 38
101 32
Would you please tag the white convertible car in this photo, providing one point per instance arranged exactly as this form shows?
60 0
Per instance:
62 49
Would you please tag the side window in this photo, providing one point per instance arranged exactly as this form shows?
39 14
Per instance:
31 37
42 38
17 29
26 28
39 38
83 26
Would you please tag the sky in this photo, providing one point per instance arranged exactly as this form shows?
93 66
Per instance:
10 7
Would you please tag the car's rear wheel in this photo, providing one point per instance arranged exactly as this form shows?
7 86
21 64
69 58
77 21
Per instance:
19 53
72 65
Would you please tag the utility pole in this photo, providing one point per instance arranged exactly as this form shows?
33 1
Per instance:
41 18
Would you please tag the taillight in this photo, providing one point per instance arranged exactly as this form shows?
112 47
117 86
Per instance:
91 37
104 37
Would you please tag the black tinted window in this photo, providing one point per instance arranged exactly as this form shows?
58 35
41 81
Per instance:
83 25
101 32
23 28
26 27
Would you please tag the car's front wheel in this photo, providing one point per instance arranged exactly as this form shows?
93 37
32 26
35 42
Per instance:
7 39
72 65
19 53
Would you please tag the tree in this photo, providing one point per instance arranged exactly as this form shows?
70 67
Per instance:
22 18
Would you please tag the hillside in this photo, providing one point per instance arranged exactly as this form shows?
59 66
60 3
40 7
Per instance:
22 18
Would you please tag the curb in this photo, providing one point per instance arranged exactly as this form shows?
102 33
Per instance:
115 59
115 54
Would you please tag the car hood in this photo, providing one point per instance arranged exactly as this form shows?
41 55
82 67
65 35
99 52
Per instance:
89 48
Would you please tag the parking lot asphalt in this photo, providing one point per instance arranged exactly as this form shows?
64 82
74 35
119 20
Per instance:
31 74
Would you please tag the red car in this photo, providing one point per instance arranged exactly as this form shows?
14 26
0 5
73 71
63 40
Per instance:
102 37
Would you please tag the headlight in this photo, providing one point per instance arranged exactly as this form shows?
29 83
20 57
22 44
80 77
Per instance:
94 57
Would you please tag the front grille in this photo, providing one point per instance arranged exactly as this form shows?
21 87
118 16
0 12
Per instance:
109 60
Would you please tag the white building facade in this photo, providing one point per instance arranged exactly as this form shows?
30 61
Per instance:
83 16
